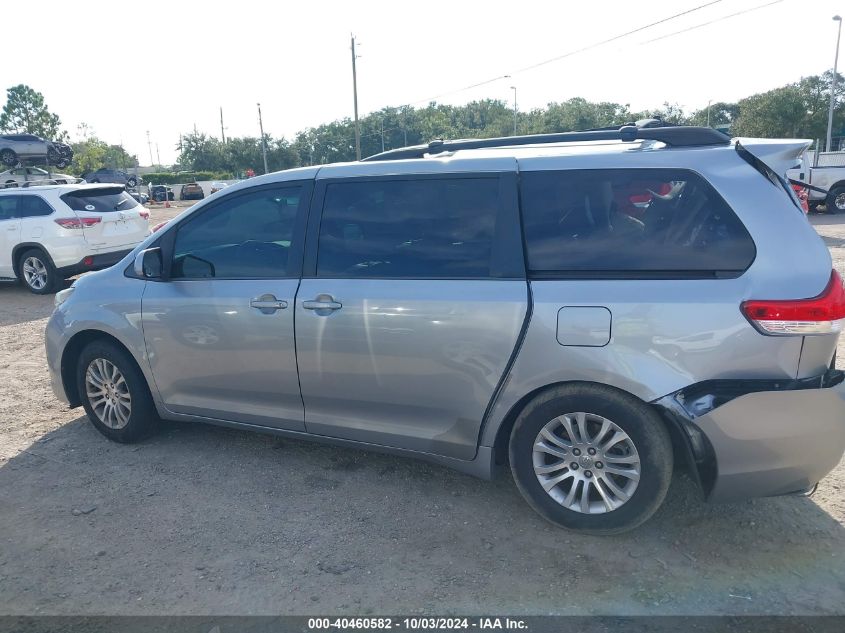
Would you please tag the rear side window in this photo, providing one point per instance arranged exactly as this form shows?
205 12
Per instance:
99 200
34 206
422 228
647 221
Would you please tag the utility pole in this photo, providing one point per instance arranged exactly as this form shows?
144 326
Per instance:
150 147
382 134
708 112
222 132
158 156
355 99
838 19
263 140
514 109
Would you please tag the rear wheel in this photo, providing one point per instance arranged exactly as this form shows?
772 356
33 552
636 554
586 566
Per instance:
591 458
836 200
37 272
114 393
132 182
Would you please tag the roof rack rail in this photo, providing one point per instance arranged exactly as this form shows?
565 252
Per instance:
643 130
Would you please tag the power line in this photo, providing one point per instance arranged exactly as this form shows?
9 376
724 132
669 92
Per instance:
724 17
571 53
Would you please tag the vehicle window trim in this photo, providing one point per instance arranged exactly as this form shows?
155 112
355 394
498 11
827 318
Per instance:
167 241
507 260
599 274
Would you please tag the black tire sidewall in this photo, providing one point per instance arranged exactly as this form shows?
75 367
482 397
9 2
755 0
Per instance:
633 416
831 197
8 152
52 275
143 416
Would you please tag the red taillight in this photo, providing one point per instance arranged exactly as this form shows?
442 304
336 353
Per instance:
158 226
77 223
88 261
144 214
819 315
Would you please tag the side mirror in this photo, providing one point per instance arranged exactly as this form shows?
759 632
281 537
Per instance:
148 264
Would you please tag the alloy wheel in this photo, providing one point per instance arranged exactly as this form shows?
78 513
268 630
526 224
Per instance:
108 393
586 463
35 273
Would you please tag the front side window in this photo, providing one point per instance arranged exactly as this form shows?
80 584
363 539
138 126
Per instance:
630 221
8 207
34 206
247 236
421 228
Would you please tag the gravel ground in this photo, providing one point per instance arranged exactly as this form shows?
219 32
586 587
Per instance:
203 520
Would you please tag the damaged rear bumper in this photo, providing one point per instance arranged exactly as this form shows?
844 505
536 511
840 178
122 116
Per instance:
758 438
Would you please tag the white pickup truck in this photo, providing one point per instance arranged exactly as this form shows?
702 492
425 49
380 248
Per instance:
824 177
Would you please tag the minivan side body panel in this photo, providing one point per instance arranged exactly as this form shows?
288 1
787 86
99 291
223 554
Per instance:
669 333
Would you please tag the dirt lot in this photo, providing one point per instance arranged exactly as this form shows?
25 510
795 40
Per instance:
201 520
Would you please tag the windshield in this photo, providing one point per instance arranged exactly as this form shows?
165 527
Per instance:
100 201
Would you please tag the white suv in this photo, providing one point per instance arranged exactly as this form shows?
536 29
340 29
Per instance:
53 232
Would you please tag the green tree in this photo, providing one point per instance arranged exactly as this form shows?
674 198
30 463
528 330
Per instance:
88 155
26 113
720 113
797 110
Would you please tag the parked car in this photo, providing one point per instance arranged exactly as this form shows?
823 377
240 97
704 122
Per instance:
21 175
140 198
217 185
191 191
117 176
50 233
824 184
477 308
159 192
15 148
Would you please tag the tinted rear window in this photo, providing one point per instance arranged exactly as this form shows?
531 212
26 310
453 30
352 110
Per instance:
630 220
100 201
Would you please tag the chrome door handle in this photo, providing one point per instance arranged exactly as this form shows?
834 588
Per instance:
268 304
322 302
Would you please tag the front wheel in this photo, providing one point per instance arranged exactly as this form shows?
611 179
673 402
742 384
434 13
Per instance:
835 202
132 182
591 458
114 393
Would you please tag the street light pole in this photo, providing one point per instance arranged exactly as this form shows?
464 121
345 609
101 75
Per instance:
263 140
708 112
514 109
150 147
836 18
355 99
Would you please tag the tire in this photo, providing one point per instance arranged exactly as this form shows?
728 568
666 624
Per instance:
9 184
8 157
132 183
133 416
644 455
62 163
95 180
37 272
834 195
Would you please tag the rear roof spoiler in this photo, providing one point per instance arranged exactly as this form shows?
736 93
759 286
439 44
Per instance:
779 154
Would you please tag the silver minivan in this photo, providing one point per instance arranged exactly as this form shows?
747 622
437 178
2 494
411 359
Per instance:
594 309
